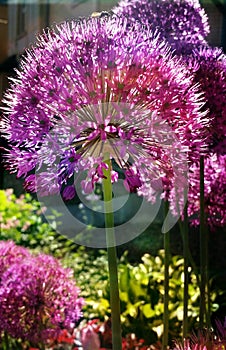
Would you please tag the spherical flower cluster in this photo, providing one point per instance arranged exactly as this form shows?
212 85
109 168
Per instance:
183 23
38 297
205 338
214 196
209 67
11 254
98 88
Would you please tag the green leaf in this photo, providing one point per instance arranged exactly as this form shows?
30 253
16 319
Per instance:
148 311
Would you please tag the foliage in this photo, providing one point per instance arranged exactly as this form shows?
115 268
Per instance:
91 274
141 292
141 284
22 221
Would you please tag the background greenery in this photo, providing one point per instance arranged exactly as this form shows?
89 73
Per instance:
140 270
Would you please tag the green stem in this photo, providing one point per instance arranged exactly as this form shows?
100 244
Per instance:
186 272
6 341
190 258
203 251
112 259
187 256
42 346
208 320
166 284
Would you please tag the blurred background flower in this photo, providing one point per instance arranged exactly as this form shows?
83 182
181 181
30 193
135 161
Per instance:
182 23
38 297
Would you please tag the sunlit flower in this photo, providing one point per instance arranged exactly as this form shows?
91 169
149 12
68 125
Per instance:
182 23
98 88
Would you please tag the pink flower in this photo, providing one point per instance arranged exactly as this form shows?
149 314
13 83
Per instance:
11 254
37 298
89 338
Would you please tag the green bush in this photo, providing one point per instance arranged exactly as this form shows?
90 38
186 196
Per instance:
142 296
141 292
91 274
22 221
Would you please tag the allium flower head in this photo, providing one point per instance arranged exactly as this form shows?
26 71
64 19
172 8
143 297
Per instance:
11 254
98 87
203 340
182 23
38 297
209 67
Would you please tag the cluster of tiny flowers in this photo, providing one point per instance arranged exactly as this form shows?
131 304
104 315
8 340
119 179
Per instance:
185 26
182 23
205 339
97 87
11 254
215 196
209 68
38 297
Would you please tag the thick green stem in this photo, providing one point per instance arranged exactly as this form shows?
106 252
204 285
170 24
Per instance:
190 258
203 317
166 284
186 272
187 256
112 259
6 341
42 346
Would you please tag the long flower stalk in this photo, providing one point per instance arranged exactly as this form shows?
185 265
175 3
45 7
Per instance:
186 272
184 230
190 257
166 284
203 250
6 341
112 259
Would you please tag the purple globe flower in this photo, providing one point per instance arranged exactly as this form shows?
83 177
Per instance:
98 87
214 196
37 298
182 23
209 68
11 254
